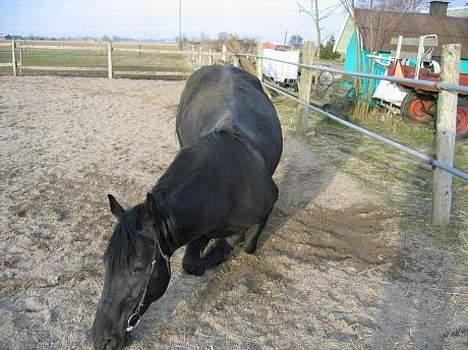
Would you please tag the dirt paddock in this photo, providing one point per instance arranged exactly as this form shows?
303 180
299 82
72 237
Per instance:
335 270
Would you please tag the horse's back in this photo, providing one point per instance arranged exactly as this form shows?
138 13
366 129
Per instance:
225 98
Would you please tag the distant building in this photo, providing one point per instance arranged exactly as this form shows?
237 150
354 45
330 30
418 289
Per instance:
460 12
269 45
375 29
273 46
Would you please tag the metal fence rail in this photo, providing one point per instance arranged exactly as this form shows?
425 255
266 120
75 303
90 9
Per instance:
422 83
424 157
448 90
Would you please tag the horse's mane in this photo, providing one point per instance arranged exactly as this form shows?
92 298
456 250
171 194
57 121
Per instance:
124 240
191 157
127 235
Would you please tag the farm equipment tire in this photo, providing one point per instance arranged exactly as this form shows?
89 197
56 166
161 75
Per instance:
417 108
462 118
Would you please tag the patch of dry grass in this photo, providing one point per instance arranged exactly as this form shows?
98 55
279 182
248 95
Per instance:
11 287
402 181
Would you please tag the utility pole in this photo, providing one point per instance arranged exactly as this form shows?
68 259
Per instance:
180 25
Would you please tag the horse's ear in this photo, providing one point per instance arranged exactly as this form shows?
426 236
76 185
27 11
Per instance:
115 207
150 208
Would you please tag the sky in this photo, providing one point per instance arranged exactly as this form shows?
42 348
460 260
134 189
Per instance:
266 20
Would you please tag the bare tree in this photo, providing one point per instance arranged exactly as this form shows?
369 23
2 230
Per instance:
296 41
379 22
393 5
348 5
384 5
318 15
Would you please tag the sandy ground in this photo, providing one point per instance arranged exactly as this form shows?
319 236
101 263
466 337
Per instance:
335 269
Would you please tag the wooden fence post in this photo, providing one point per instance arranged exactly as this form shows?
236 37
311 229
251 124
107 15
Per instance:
210 57
200 56
109 60
259 62
192 57
223 55
445 136
20 65
305 87
13 56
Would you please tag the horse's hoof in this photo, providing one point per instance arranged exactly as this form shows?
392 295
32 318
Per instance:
250 248
194 269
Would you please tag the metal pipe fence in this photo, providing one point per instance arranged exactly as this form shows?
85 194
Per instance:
448 90
422 83
424 157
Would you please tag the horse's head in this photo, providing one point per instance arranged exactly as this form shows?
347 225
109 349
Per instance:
137 273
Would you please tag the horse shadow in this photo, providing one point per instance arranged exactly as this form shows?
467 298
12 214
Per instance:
302 176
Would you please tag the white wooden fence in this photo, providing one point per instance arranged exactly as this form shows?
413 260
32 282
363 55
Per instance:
195 57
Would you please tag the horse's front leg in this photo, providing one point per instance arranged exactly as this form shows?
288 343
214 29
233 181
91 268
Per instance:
193 263
196 264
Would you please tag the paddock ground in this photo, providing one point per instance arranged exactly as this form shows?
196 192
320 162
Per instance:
336 269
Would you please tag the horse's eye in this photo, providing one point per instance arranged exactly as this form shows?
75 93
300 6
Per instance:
138 269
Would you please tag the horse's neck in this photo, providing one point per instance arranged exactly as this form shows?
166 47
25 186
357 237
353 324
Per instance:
182 168
185 187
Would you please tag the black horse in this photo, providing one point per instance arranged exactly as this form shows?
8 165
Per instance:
219 184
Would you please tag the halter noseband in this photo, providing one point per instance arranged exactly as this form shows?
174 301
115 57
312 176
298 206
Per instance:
135 318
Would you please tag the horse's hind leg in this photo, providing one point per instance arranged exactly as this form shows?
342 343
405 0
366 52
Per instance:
192 262
252 234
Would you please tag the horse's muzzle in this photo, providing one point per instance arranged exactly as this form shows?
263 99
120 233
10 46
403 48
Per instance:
111 343
106 337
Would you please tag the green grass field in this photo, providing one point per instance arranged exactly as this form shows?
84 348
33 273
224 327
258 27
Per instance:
121 60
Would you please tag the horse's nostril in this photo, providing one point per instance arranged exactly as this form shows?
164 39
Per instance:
110 343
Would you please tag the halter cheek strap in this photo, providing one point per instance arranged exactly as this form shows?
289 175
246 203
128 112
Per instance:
135 318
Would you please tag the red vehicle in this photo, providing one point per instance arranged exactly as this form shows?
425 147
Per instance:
420 104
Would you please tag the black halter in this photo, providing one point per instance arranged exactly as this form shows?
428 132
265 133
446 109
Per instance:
134 319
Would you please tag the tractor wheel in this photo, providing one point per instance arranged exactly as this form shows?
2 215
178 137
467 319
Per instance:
462 120
417 108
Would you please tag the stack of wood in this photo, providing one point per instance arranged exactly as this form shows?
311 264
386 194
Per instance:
233 46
